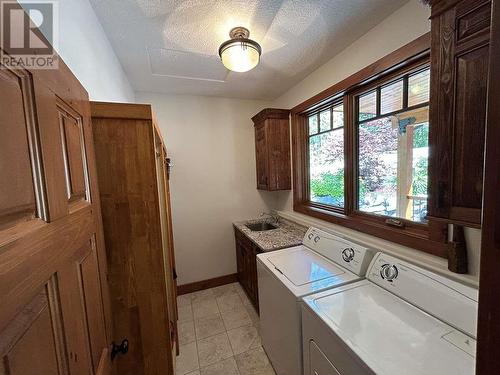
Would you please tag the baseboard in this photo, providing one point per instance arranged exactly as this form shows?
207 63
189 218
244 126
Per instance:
206 284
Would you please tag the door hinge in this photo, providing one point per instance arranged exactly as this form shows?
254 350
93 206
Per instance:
119 349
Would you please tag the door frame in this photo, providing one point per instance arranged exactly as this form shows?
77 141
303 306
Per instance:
488 345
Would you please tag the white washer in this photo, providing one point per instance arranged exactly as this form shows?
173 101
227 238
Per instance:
323 261
401 320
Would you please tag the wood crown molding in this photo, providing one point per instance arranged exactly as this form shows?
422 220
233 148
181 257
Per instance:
268 113
414 50
440 6
128 111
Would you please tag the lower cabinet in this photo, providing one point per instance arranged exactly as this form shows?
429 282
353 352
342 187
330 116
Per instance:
246 260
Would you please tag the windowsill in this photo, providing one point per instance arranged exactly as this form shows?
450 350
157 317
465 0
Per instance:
415 236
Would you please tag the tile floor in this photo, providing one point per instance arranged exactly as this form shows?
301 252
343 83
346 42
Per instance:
219 334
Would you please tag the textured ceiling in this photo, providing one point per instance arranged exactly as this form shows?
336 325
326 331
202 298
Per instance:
171 46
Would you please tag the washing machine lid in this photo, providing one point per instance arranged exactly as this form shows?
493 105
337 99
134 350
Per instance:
303 271
392 336
302 266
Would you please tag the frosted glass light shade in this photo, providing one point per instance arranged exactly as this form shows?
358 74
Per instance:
240 55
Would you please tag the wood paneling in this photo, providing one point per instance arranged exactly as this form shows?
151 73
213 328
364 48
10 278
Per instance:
272 149
137 227
53 288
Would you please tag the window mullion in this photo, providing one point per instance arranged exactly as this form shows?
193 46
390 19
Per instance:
379 101
405 92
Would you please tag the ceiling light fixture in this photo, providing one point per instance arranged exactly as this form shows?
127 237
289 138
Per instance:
239 53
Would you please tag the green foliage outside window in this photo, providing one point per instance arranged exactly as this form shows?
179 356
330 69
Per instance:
329 184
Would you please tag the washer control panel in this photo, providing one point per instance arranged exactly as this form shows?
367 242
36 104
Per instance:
348 254
340 250
448 300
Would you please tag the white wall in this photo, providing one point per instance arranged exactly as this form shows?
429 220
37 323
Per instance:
213 181
86 50
406 24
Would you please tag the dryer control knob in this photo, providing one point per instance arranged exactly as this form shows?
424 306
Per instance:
316 239
348 254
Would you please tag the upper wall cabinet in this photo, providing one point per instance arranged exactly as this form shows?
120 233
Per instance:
459 81
272 149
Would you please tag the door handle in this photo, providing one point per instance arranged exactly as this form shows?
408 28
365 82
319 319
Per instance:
119 349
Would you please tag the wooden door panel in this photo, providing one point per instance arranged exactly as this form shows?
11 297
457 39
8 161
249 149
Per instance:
73 313
82 310
17 191
261 156
31 343
74 153
50 147
470 117
91 294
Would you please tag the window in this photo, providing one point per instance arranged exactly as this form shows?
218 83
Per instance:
360 152
393 148
326 156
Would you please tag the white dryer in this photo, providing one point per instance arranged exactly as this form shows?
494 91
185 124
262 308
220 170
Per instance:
285 276
402 319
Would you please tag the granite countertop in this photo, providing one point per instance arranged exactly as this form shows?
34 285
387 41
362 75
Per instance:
287 234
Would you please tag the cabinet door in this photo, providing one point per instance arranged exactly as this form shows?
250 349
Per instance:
254 277
136 248
460 52
261 156
52 263
167 240
246 265
278 144
239 260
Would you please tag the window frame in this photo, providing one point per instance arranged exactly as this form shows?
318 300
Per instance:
377 86
429 237
330 106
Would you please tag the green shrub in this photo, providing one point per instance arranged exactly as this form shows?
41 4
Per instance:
329 184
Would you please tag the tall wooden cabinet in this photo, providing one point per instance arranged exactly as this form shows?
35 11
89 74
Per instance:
133 173
272 149
459 84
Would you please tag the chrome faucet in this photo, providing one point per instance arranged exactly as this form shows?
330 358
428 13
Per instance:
271 217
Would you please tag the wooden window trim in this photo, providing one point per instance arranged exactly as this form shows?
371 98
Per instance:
430 237
333 104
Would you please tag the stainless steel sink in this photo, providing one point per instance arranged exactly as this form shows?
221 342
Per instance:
259 227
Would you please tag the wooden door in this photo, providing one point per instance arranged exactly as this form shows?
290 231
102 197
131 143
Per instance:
52 263
488 346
